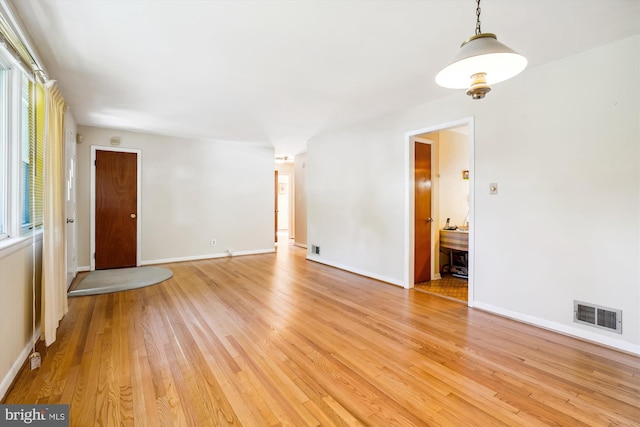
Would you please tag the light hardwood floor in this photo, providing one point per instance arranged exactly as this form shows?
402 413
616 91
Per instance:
277 340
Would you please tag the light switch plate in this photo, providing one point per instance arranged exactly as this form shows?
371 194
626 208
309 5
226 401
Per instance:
493 188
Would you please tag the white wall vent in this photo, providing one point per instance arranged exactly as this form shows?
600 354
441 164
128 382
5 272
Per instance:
597 316
315 249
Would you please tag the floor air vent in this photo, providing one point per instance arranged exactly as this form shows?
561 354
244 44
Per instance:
597 316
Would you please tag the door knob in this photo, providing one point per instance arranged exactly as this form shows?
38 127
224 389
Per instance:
133 215
429 220
70 220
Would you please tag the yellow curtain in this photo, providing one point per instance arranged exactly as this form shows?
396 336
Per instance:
54 263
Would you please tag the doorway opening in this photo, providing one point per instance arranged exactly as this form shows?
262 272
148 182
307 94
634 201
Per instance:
284 201
442 235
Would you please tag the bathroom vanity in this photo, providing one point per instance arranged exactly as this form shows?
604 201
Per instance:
456 241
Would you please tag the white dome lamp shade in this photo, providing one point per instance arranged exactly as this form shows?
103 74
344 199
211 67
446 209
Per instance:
481 62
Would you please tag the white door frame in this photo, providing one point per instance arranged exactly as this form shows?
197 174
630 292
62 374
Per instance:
92 246
410 200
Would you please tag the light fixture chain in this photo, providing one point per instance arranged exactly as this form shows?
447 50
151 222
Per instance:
478 30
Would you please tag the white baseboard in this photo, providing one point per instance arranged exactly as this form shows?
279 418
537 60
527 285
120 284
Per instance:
208 256
17 365
561 328
194 258
300 245
356 271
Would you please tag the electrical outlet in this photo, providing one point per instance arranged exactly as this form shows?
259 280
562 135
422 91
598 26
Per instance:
213 242
35 360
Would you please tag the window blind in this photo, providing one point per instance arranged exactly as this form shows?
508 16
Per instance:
34 171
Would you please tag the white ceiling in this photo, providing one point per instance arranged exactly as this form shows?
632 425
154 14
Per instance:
280 72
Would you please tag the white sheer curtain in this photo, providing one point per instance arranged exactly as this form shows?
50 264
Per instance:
54 264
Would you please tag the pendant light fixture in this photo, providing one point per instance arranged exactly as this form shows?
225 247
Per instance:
481 62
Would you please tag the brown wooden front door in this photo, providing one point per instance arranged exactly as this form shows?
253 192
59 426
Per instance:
116 209
423 220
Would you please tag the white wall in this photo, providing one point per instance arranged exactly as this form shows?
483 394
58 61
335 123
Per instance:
562 142
453 189
356 199
16 306
192 191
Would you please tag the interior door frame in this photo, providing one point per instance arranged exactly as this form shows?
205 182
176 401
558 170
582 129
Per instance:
71 203
92 246
409 249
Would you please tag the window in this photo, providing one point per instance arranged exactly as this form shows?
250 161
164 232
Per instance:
25 206
21 151
4 154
